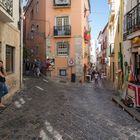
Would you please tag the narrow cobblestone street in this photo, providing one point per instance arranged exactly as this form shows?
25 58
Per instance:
48 110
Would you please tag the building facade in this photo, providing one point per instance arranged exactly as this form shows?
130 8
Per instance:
98 51
10 51
35 30
115 49
131 37
59 32
104 49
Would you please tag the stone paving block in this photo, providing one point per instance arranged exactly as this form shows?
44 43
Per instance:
73 112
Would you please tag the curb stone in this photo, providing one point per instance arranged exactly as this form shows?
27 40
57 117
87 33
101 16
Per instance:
132 111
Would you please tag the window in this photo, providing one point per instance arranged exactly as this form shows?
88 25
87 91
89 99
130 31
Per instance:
9 59
62 26
62 21
32 14
62 72
62 2
62 48
118 23
37 6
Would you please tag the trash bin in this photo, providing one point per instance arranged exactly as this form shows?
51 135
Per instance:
73 77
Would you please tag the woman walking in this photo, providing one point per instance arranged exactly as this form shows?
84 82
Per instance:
3 87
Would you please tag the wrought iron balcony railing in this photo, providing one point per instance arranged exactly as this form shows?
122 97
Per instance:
132 21
62 3
62 30
7 5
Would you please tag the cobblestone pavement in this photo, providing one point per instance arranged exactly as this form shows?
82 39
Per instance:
47 110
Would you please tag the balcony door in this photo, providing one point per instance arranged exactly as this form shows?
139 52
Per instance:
62 24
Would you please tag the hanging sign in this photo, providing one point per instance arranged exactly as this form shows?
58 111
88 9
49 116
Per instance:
135 41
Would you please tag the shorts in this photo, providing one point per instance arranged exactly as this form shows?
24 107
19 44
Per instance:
3 89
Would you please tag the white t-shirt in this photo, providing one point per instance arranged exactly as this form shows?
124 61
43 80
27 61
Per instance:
96 76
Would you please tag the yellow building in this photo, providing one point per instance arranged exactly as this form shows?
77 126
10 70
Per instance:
10 44
115 42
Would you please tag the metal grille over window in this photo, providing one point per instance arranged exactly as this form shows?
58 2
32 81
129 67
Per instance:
9 59
62 72
62 48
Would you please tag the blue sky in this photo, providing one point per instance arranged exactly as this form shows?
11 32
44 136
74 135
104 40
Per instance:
98 17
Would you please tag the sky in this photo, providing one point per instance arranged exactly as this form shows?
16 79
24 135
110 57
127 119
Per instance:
98 19
99 16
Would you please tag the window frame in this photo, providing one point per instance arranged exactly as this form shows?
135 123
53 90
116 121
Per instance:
37 7
62 20
62 70
11 61
62 53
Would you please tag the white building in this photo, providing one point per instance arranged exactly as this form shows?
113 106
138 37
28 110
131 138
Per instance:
10 50
131 36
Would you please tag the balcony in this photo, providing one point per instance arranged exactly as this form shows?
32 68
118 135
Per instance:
6 10
61 3
132 21
62 31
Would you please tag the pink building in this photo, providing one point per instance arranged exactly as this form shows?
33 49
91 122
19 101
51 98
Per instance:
58 30
104 49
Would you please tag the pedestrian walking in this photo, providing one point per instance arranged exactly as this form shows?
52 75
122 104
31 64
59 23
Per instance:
3 87
27 67
37 67
96 76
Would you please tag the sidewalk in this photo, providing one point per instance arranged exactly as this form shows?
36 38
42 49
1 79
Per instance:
134 112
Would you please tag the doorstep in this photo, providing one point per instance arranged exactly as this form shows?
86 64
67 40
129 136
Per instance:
132 111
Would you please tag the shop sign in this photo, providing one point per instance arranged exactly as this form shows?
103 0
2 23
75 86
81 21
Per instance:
135 41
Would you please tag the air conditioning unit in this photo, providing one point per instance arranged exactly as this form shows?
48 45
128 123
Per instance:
61 2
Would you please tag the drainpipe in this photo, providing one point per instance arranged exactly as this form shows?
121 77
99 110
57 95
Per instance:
21 42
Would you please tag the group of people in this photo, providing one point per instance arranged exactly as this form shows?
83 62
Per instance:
95 75
33 67
36 67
